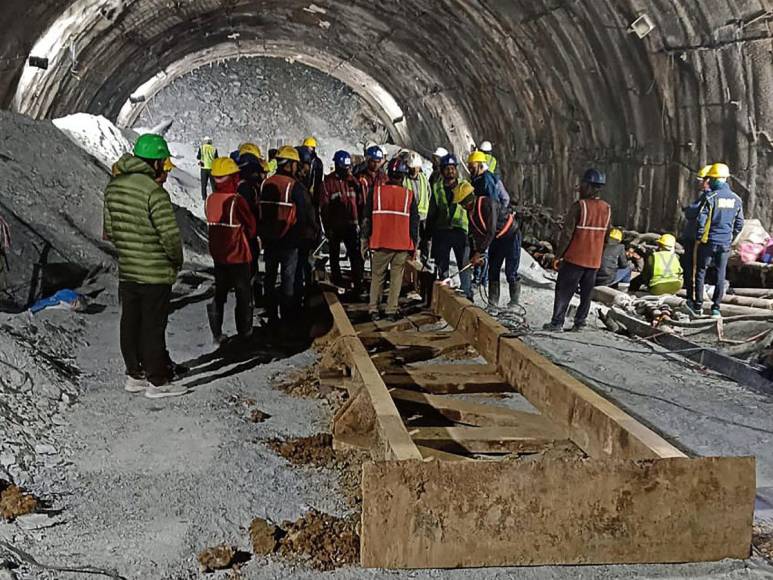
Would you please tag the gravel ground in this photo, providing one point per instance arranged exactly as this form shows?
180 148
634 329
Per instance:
264 100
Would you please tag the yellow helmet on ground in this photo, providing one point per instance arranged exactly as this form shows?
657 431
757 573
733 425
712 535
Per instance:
477 157
224 166
310 142
667 241
463 191
250 148
616 234
719 171
168 165
704 172
288 153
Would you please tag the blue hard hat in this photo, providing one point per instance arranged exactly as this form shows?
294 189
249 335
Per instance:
342 159
397 168
374 153
594 177
306 154
449 159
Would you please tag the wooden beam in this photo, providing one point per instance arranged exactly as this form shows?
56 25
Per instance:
446 384
442 514
409 322
431 454
438 341
594 424
476 414
522 439
390 439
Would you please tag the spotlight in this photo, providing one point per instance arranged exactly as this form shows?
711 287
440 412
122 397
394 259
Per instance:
39 62
642 26
134 99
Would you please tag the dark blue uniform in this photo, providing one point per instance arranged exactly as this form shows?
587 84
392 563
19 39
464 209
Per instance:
719 220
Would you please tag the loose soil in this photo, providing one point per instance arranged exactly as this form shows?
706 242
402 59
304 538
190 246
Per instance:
217 558
762 539
322 541
14 502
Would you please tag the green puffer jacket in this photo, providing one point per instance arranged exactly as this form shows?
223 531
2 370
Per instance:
140 221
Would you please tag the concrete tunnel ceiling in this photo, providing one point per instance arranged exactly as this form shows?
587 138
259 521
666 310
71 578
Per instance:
556 84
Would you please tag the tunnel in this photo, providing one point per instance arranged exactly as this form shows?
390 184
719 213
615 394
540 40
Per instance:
647 90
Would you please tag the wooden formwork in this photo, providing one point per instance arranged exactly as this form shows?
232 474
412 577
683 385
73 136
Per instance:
455 483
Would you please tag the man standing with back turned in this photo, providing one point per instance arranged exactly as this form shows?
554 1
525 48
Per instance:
140 221
206 155
580 250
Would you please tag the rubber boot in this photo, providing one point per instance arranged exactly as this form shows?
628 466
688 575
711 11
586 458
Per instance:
493 295
215 316
515 293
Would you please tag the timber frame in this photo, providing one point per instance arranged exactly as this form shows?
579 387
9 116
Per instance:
579 482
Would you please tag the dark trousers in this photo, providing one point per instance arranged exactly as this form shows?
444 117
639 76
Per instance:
507 251
206 180
304 275
452 240
276 257
688 264
424 240
350 239
144 316
236 277
706 256
570 277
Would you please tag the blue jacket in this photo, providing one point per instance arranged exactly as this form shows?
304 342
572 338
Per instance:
691 212
489 185
720 217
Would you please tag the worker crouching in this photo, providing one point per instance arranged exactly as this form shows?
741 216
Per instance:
231 225
391 226
662 273
493 228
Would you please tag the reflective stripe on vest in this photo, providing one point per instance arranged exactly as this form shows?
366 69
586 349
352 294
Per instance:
283 185
422 196
666 274
391 222
587 245
228 244
491 161
481 225
207 155
459 219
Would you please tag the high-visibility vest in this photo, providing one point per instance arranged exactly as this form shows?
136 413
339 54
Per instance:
445 220
667 273
340 200
228 244
208 153
422 195
391 221
491 161
590 233
278 212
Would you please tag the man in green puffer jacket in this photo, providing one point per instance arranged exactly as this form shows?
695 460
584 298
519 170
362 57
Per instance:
140 221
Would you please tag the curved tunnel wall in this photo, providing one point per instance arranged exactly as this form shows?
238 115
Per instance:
556 84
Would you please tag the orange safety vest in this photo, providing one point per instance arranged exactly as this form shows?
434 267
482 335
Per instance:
277 209
391 218
228 244
587 245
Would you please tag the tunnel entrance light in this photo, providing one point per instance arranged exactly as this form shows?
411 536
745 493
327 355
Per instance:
642 26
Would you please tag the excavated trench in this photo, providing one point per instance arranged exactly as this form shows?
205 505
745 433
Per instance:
555 84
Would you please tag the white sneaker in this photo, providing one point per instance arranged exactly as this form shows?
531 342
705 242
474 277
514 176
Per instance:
134 385
168 390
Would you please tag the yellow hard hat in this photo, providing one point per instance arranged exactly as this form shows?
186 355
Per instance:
168 165
250 148
310 142
463 191
667 241
704 172
224 166
719 171
477 157
288 153
616 234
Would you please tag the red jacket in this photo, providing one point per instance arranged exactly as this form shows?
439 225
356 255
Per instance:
590 232
340 201
231 226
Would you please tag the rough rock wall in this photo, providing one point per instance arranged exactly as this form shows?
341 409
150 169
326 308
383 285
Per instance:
264 100
557 85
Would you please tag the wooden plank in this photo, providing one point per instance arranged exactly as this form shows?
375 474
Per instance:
442 379
522 439
409 322
594 424
439 341
441 514
475 413
431 454
390 435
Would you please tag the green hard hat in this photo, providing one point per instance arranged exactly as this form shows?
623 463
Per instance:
151 146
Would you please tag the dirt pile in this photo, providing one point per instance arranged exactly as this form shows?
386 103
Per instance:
762 539
217 558
316 450
322 541
14 502
264 537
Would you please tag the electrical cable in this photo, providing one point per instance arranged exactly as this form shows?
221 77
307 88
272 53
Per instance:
29 559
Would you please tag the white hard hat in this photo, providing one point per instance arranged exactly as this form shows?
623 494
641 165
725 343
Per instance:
414 160
207 139
486 147
440 152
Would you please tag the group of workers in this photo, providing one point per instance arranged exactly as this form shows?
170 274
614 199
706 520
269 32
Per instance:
387 210
712 221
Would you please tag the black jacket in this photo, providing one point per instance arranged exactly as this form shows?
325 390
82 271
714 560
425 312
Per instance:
613 259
